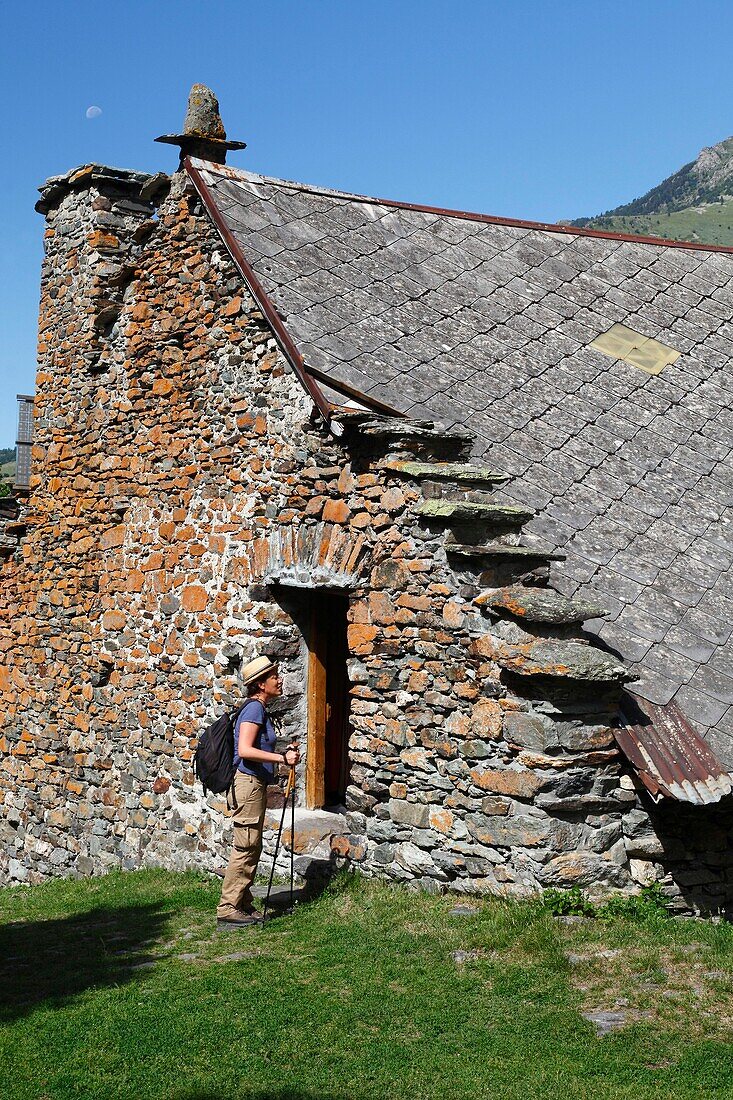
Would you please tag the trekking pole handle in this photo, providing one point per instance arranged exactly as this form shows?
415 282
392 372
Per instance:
290 783
292 747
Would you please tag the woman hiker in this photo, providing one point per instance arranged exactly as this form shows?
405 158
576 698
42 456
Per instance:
255 760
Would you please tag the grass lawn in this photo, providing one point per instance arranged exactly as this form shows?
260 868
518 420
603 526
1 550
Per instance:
120 987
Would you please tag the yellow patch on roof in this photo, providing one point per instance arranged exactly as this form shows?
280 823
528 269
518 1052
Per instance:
639 351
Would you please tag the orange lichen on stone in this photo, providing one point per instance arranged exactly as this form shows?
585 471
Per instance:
114 620
194 598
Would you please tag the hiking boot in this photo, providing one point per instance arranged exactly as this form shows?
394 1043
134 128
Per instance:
239 918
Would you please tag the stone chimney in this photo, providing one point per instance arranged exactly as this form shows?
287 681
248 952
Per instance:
203 134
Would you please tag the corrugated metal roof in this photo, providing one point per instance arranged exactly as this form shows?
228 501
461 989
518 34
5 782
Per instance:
671 758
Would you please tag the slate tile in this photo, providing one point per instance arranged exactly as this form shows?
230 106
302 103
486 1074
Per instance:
548 478
707 626
599 438
502 269
610 585
446 409
688 644
722 660
719 534
495 431
717 606
522 441
677 584
583 452
648 398
578 295
509 335
709 554
698 706
447 266
484 246
316 356
715 683
669 481
616 425
659 606
453 230
654 686
595 285
580 569
527 493
624 470
389 363
548 431
594 546
548 529
568 467
652 550
596 248
350 373
671 536
501 457
537 246
542 315
629 564
629 646
525 291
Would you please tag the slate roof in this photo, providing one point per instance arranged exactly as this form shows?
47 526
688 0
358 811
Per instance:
485 323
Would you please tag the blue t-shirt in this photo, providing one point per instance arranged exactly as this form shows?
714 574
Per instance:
265 738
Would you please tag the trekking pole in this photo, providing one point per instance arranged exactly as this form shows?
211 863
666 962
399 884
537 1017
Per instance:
289 787
291 781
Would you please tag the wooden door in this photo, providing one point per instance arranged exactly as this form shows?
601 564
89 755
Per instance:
327 765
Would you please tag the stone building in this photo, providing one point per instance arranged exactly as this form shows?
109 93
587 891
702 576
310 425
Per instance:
468 479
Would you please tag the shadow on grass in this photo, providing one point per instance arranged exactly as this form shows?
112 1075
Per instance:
55 960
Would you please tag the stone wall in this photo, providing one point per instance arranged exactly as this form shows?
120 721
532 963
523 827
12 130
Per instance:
183 496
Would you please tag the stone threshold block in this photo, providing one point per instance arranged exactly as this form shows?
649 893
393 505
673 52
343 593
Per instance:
313 830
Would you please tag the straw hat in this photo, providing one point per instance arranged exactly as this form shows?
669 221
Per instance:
257 669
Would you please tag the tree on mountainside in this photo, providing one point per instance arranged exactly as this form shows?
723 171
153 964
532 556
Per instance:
7 454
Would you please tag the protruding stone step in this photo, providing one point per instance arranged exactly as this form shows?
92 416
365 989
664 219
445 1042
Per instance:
460 472
499 551
409 435
456 511
566 660
537 605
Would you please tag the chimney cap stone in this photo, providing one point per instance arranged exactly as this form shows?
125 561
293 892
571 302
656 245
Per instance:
203 134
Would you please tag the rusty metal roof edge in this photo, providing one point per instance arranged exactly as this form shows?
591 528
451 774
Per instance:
283 337
346 390
239 175
701 779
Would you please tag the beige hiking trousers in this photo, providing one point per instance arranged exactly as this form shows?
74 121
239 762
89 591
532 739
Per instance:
247 801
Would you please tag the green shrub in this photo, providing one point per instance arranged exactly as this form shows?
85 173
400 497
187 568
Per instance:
568 903
649 904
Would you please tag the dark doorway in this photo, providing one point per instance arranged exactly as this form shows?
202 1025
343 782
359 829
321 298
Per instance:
327 769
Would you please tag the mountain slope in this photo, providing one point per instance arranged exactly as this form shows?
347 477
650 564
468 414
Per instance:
693 204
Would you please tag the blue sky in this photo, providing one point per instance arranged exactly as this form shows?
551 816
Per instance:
539 110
